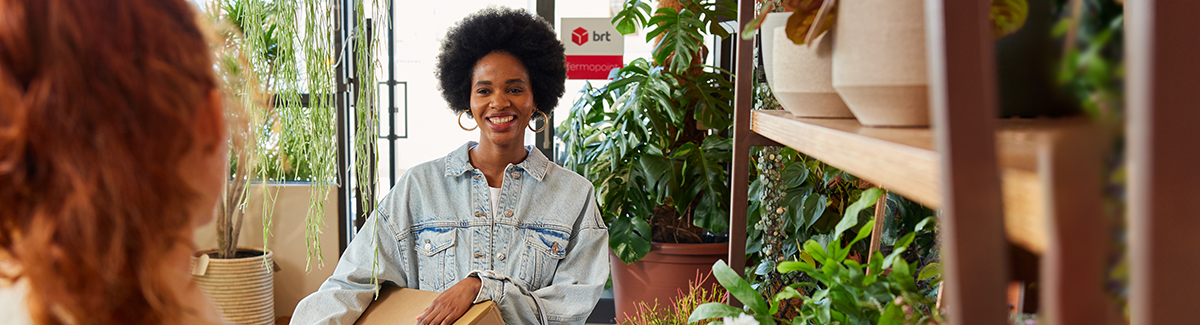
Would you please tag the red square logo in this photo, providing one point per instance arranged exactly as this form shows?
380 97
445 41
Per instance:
579 36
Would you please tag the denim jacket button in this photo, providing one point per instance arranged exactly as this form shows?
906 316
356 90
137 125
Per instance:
428 246
508 213
516 175
500 256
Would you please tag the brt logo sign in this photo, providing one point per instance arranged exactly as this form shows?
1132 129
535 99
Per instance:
591 48
580 36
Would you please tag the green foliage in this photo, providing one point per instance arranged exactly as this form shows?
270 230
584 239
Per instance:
275 52
650 140
845 291
815 196
1092 67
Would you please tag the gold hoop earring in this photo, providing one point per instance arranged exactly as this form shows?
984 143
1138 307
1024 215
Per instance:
460 114
545 119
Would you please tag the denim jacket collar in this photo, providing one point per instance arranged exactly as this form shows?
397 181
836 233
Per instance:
458 161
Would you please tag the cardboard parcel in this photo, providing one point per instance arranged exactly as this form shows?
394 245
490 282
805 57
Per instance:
400 306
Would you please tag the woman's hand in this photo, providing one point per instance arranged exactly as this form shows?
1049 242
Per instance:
451 304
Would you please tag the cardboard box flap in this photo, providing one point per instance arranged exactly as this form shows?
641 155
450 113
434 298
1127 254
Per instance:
400 306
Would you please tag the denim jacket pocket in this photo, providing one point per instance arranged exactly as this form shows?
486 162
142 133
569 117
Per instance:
544 248
435 248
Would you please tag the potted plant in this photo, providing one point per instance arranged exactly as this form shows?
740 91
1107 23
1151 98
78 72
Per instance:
653 141
799 62
272 135
844 290
681 306
874 67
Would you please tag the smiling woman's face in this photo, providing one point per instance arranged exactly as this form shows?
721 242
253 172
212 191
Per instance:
501 99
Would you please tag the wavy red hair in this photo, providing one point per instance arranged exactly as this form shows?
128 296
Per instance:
101 101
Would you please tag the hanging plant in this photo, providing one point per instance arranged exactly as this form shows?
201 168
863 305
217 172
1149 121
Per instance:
279 69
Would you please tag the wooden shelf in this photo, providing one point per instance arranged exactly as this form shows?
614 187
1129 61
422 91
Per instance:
904 161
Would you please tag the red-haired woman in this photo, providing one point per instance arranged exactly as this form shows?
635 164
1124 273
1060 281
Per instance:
112 150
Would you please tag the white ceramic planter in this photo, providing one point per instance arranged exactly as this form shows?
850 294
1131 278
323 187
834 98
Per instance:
766 30
879 61
804 76
242 288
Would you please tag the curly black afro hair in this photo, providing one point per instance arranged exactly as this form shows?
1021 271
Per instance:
527 37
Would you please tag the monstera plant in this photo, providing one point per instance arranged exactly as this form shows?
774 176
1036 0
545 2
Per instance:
654 139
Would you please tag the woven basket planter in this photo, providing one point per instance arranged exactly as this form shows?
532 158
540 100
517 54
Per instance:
242 288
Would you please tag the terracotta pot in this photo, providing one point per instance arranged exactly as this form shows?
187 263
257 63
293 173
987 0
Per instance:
662 274
805 77
879 61
766 33
242 288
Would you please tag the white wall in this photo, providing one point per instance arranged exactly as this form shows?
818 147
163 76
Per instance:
292 283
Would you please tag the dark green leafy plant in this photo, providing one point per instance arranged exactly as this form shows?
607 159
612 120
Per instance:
844 291
795 198
651 139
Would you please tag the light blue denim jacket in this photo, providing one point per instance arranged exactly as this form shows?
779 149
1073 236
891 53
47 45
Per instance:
543 251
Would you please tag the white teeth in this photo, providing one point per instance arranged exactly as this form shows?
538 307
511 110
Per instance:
501 120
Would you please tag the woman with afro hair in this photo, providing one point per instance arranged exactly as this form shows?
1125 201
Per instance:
494 220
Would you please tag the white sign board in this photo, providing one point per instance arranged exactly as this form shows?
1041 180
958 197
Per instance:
594 47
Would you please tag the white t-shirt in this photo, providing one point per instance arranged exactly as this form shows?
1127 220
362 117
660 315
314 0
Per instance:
13 303
495 198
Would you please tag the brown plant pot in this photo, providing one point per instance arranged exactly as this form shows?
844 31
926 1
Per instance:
879 61
242 288
804 75
663 274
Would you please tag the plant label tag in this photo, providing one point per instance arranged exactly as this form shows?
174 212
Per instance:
200 266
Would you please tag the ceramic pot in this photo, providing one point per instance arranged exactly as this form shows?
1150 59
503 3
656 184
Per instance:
879 61
805 77
767 36
242 288
662 274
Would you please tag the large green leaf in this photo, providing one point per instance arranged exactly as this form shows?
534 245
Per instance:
632 15
930 271
738 287
814 208
626 239
904 241
792 266
815 250
659 173
713 310
794 175
863 232
850 219
705 177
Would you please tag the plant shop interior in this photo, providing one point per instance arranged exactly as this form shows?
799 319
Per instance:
747 162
